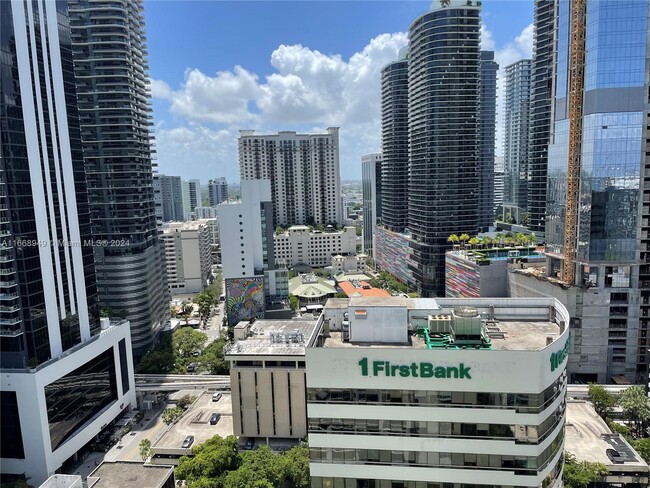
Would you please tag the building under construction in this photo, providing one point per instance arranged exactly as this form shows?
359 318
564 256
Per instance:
597 211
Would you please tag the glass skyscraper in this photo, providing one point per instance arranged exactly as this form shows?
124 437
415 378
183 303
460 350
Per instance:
612 216
110 58
487 124
443 94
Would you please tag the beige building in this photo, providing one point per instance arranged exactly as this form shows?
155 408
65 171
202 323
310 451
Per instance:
590 439
300 245
187 255
267 377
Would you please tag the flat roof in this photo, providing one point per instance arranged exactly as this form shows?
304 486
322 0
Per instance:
119 474
336 303
267 338
388 301
588 437
365 290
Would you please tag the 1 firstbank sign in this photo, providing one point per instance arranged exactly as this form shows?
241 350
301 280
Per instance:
414 370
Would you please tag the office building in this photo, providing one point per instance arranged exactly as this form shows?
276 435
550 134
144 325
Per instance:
111 72
64 374
515 148
303 170
541 96
301 245
267 378
395 143
187 205
257 284
217 191
443 93
439 392
372 194
487 135
188 256
595 210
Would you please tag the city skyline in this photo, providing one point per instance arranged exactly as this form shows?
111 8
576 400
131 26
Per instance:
196 129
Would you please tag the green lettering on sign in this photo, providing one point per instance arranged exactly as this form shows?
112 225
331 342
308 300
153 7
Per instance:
557 358
414 370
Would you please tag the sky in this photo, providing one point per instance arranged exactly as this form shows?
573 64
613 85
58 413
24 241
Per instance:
218 67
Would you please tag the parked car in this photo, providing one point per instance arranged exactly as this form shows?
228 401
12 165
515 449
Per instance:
192 367
250 443
189 440
215 418
216 397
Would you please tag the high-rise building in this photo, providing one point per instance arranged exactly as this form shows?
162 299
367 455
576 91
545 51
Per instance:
217 191
256 283
443 95
65 374
541 76
595 209
487 128
303 170
187 205
110 58
187 255
515 147
171 199
371 180
195 194
395 143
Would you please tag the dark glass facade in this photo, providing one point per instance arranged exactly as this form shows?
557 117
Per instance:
443 94
394 145
371 189
487 128
78 396
124 367
541 95
11 438
110 62
35 209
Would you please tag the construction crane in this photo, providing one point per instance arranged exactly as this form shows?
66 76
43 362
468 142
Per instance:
576 94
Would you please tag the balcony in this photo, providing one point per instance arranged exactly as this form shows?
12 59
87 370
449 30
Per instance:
10 332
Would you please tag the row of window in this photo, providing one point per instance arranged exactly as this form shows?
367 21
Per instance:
521 402
525 434
523 465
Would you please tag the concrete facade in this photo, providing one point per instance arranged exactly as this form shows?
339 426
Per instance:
301 245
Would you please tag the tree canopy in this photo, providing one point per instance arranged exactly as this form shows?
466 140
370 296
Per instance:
636 407
602 400
218 463
581 474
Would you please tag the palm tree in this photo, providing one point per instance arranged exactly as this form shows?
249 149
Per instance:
186 312
463 238
520 239
453 239
499 238
473 242
485 241
532 240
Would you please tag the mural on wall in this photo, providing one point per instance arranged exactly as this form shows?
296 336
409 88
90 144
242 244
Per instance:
392 254
244 299
462 278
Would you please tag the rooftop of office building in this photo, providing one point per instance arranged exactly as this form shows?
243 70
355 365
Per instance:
119 474
451 324
589 438
273 338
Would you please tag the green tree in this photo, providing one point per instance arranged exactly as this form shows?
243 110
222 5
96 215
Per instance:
187 343
211 460
602 400
452 239
185 401
106 312
145 449
463 238
473 242
204 300
186 312
171 415
581 474
532 240
294 302
212 358
124 313
520 239
636 407
296 462
642 446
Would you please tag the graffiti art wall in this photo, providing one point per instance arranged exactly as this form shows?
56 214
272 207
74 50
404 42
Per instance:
244 298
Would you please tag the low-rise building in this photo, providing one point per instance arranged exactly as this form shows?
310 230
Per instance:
349 263
302 245
120 474
267 376
590 439
187 255
483 272
311 290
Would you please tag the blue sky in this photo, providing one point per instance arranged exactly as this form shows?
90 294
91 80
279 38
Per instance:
220 66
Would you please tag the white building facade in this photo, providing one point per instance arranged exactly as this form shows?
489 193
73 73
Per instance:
187 255
301 245
303 170
435 415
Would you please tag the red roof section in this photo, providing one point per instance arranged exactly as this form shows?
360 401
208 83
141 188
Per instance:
350 290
